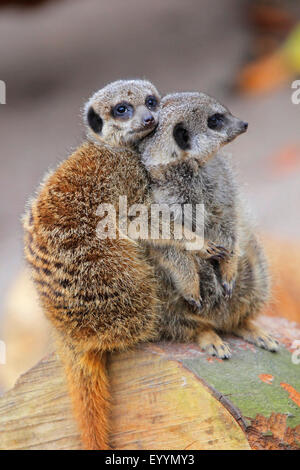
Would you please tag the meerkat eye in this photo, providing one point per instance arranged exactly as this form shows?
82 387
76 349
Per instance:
181 136
151 102
215 122
123 110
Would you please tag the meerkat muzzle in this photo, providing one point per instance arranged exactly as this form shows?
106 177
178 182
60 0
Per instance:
244 126
148 120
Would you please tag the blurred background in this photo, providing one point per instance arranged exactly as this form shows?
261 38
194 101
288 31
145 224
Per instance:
55 54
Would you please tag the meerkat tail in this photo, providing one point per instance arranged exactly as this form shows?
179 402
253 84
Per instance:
89 389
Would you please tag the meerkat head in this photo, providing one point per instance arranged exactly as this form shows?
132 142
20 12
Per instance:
191 125
122 113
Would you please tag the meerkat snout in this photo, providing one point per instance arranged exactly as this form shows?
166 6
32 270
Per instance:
143 119
148 120
236 127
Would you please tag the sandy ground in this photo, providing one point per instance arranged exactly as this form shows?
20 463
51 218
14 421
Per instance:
54 57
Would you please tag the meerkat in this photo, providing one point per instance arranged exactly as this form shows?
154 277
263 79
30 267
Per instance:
100 295
186 167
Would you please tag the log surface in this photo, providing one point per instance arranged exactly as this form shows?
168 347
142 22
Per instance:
170 396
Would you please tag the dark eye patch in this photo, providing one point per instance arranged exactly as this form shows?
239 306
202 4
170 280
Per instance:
181 136
215 122
151 102
122 110
94 120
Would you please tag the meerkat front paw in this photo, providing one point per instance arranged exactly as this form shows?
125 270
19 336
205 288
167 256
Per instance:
228 287
195 303
228 272
213 344
255 335
216 252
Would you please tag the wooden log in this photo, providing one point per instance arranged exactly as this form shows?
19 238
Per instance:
171 396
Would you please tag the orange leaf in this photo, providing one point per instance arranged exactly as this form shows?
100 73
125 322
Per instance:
294 394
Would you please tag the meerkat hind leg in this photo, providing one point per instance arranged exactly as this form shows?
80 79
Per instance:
255 335
213 344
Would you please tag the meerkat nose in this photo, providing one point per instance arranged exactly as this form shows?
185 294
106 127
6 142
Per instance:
242 126
148 120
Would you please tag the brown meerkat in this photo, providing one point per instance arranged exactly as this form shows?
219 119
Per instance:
185 166
100 295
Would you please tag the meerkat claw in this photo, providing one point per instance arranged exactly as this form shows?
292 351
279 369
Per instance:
228 289
213 345
268 343
195 304
256 336
217 252
223 250
222 351
217 257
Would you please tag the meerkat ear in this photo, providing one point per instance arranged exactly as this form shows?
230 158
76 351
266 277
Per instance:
94 120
